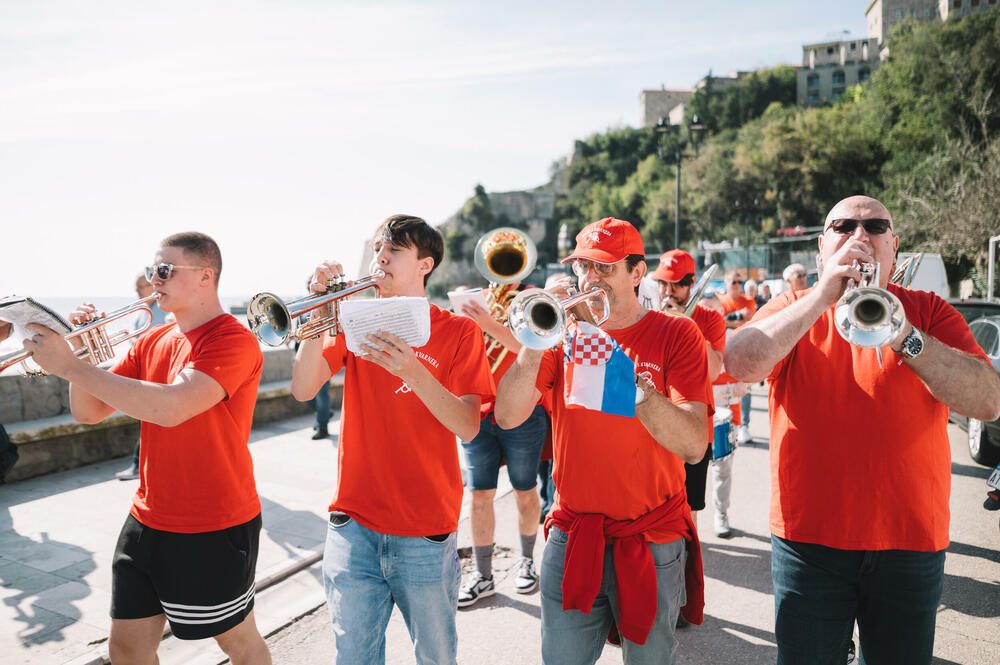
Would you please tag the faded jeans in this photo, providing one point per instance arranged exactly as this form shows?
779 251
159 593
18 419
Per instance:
571 637
365 572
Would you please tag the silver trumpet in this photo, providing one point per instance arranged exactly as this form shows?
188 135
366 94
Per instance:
697 291
98 344
867 315
537 319
274 321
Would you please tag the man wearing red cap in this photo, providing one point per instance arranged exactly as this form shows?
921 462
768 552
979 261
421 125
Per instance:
622 549
675 277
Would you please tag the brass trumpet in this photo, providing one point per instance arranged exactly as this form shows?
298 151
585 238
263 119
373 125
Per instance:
504 256
538 319
274 321
868 315
98 344
697 291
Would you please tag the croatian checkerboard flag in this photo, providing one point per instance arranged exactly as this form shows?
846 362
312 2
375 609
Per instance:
599 376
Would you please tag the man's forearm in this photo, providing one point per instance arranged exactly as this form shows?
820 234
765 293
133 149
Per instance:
959 381
677 429
142 400
310 371
516 396
754 350
458 415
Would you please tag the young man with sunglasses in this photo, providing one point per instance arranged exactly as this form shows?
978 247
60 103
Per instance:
188 550
619 462
860 458
391 539
675 276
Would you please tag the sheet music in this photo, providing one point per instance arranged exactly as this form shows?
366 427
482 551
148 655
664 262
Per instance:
22 311
459 298
408 318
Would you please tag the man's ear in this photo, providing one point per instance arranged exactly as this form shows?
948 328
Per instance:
426 265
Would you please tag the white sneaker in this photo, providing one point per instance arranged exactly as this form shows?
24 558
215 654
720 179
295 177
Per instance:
527 579
722 529
475 587
743 434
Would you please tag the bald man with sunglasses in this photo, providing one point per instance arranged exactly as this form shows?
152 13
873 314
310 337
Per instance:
860 458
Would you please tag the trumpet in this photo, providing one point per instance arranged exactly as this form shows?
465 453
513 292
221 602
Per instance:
907 270
98 344
274 321
538 319
697 291
504 256
868 315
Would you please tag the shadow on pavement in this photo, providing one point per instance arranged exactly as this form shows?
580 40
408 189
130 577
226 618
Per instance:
30 569
744 567
716 641
974 550
971 597
970 470
292 530
501 599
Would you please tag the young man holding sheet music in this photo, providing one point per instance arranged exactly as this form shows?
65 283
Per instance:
619 462
392 528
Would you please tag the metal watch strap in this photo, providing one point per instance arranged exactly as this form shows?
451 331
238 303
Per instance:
912 344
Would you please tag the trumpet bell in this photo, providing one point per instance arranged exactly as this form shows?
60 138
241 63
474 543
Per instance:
269 319
505 255
869 317
536 319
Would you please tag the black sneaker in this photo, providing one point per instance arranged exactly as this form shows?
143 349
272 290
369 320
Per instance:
475 587
527 579
320 434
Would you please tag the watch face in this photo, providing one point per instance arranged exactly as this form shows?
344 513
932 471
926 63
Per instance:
913 344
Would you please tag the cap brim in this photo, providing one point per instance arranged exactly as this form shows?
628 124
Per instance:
666 276
593 254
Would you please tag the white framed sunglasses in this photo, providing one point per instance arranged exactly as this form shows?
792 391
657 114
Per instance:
164 271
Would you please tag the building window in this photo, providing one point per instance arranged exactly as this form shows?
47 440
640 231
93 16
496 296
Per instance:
837 92
829 50
928 12
899 13
813 97
854 46
838 77
957 4
975 3
812 81
864 74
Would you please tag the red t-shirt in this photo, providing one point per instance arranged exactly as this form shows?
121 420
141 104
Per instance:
398 470
713 329
739 302
860 457
198 476
609 464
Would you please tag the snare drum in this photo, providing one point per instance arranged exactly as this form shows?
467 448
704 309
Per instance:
722 444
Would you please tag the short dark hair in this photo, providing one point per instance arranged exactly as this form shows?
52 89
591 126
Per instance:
410 231
200 246
631 261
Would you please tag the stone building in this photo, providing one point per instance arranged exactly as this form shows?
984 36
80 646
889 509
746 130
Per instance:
959 8
656 104
829 68
882 15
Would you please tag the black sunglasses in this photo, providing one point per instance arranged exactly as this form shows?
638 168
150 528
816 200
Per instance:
874 227
163 271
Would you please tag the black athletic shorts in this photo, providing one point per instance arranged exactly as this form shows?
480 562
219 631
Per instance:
203 582
694 481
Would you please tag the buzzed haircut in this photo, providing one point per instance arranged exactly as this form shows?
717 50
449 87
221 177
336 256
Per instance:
730 274
410 231
199 246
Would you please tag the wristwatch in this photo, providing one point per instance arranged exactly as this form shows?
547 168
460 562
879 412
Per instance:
912 344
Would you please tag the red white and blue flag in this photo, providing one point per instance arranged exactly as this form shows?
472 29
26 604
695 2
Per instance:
599 375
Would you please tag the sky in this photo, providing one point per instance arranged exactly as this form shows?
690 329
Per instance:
287 130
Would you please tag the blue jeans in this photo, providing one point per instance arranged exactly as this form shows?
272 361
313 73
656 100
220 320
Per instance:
520 447
546 487
820 591
320 403
574 637
745 409
365 572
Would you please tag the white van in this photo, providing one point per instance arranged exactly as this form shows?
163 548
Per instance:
930 274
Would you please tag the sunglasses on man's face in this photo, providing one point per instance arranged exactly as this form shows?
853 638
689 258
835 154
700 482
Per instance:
163 271
582 266
874 227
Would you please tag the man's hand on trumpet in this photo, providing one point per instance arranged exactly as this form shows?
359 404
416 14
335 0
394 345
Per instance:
841 267
49 350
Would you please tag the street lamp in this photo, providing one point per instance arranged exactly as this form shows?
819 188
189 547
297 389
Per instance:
746 225
694 130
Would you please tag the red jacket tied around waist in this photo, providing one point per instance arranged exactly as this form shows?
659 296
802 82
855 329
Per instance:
635 571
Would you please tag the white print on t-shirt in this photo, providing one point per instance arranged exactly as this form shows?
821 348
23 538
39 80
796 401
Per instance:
402 389
654 366
432 361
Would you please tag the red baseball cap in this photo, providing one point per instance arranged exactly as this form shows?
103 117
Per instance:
674 266
607 241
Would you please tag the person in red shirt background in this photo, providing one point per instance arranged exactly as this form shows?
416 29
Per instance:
188 550
860 458
391 539
736 306
619 475
675 276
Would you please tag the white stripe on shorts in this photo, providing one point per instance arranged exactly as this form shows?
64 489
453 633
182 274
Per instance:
200 614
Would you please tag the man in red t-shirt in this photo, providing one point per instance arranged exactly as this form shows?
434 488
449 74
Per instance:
736 306
188 551
619 461
675 276
860 459
391 538
520 449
